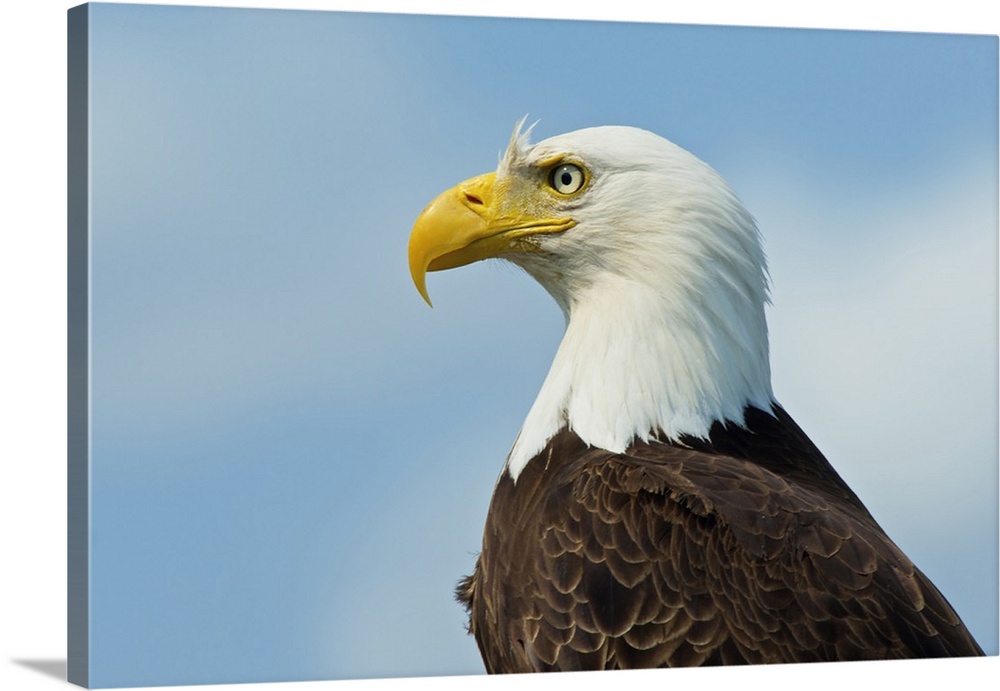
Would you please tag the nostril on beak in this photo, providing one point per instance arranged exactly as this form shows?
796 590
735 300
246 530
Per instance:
473 199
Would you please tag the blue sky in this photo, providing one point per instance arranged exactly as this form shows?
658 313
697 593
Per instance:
293 455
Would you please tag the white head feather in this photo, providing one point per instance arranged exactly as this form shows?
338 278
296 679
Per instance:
663 283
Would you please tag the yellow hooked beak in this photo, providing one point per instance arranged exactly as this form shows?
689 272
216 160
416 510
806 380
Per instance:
477 219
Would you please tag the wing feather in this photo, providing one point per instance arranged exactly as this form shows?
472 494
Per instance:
674 556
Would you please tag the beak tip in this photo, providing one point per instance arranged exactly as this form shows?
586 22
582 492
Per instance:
419 280
418 269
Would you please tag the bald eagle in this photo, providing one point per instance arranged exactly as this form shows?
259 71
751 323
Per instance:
659 507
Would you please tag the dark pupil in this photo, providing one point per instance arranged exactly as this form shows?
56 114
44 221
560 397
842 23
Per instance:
566 178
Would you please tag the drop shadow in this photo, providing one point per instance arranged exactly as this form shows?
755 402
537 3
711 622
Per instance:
50 667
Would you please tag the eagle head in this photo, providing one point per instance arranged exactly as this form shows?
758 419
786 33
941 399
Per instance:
657 266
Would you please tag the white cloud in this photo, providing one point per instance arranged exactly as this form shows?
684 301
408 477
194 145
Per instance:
884 348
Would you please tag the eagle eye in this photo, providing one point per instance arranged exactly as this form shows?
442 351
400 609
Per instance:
567 178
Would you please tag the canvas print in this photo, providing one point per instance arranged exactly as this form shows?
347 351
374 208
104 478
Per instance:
710 375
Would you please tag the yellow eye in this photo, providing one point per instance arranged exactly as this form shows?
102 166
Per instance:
566 178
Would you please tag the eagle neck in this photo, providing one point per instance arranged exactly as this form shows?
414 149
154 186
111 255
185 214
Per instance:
639 363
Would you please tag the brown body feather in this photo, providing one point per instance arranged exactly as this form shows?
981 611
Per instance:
746 547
